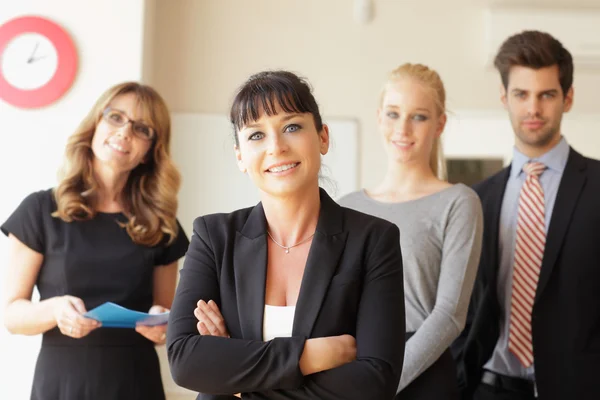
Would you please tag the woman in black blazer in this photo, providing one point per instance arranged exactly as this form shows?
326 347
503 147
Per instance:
297 297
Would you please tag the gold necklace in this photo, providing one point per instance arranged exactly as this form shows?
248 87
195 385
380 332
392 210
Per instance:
287 248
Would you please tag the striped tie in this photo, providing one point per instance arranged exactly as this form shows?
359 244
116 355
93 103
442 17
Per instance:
529 251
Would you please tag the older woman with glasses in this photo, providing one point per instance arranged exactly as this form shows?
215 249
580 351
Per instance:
107 232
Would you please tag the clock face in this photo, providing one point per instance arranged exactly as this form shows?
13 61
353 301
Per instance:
29 61
38 62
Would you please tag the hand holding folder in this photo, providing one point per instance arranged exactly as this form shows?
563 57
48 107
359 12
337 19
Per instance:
112 315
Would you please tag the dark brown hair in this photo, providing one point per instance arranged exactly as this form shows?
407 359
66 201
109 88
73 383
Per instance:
265 91
535 49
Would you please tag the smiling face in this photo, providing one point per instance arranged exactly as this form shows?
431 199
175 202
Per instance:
282 152
118 147
535 104
409 121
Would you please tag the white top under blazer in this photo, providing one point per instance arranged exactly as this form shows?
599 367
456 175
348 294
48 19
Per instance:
278 321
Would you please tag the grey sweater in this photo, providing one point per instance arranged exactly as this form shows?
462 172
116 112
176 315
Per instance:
440 238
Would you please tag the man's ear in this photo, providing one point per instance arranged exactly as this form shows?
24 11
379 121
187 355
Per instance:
569 100
503 96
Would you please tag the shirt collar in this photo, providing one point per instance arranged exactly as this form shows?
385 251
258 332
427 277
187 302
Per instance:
555 159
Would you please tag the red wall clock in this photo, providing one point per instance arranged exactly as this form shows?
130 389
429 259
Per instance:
38 62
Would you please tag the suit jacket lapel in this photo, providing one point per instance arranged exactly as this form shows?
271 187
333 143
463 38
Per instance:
496 197
326 249
571 183
250 269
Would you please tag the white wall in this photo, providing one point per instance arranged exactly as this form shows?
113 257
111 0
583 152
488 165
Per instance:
109 37
488 134
202 144
207 48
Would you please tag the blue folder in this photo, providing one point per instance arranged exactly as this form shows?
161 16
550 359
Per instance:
112 315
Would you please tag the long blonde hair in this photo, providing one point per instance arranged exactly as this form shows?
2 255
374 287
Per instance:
430 79
149 197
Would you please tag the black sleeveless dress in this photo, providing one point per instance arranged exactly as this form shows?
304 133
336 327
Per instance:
96 261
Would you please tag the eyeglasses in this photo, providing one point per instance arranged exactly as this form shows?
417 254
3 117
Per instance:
119 119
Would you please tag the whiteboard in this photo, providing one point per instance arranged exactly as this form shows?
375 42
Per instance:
202 148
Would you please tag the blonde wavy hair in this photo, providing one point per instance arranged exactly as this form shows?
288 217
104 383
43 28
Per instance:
149 197
431 80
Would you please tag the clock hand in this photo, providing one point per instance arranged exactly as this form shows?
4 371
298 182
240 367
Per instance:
38 58
32 54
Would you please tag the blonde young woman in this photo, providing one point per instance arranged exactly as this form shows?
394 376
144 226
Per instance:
107 232
440 228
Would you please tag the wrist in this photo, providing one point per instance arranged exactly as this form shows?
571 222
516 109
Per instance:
316 356
52 305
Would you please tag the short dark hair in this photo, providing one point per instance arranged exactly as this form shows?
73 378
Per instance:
265 90
535 49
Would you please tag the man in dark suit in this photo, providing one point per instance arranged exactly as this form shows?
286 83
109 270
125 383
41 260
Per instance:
534 319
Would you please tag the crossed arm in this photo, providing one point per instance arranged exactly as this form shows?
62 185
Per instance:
272 370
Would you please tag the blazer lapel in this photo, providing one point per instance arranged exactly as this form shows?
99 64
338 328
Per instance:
250 269
571 183
494 209
326 249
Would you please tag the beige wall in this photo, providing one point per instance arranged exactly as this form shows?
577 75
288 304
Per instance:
206 48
